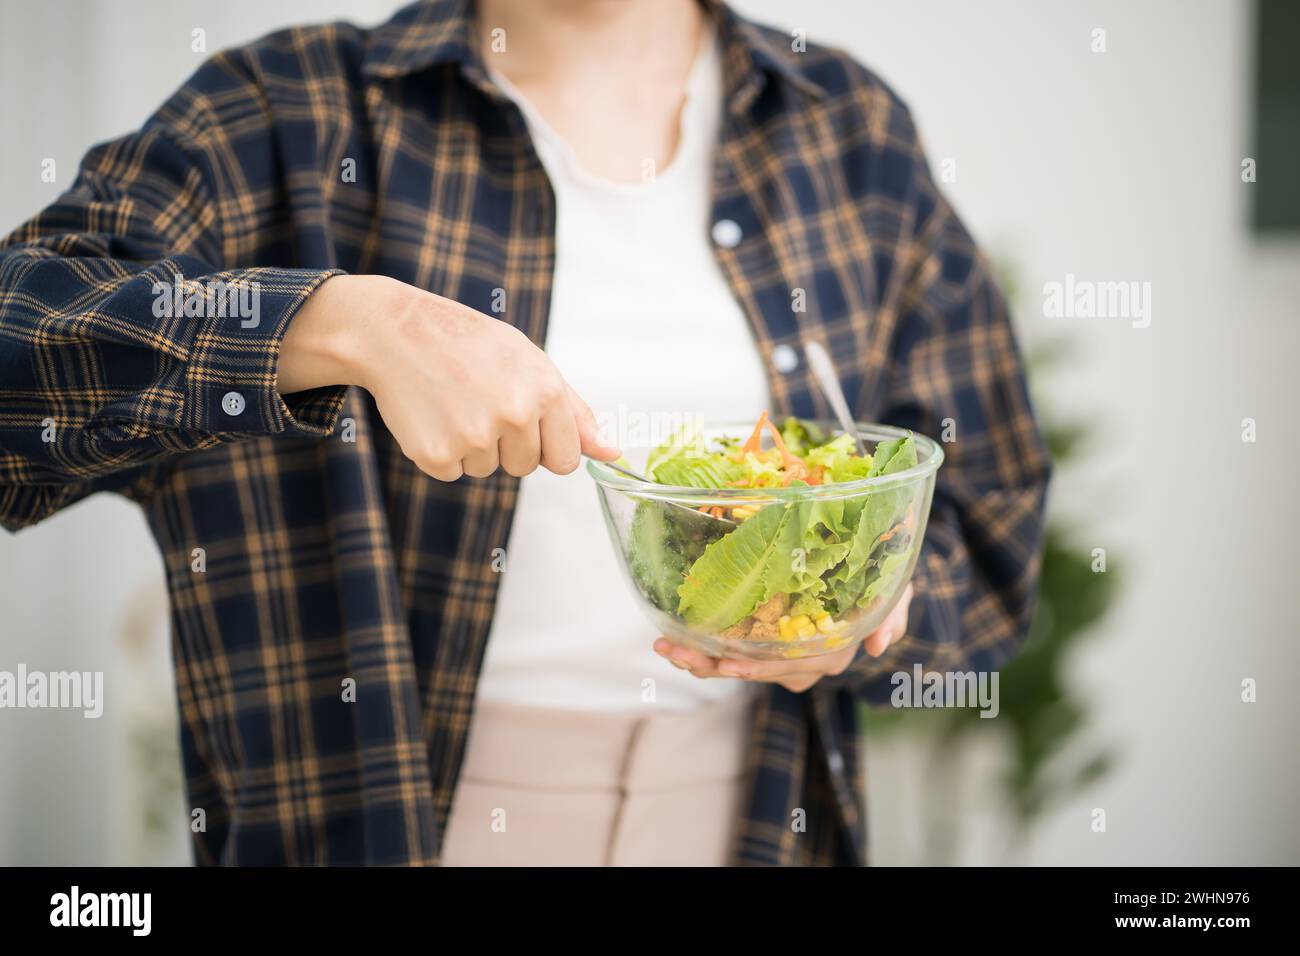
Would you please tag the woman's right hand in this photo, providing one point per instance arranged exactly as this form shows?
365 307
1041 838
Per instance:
462 392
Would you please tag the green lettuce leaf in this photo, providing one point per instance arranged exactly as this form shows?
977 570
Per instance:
742 569
882 462
713 471
800 436
883 577
825 517
664 542
840 459
684 460
877 512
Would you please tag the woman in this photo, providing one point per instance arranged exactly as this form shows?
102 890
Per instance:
394 653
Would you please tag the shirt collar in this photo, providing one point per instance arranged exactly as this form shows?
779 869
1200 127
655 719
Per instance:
433 32
422 35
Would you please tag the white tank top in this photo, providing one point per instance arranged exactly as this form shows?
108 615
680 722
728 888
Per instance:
644 326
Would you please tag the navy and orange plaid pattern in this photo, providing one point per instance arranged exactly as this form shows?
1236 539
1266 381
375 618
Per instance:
329 558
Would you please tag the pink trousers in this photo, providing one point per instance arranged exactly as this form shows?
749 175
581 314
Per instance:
543 787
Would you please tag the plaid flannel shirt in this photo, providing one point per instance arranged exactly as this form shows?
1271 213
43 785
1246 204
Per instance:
329 558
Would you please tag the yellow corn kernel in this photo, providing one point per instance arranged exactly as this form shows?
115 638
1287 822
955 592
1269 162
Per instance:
826 624
741 512
801 626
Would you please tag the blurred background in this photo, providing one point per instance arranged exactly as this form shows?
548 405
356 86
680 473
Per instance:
1112 156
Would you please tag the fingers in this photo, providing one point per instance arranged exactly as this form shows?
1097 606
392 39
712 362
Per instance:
776 672
686 658
798 684
551 428
893 627
794 675
560 447
588 431
878 641
443 471
481 462
566 430
571 431
520 449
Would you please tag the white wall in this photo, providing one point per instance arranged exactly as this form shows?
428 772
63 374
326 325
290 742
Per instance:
1114 166
69 586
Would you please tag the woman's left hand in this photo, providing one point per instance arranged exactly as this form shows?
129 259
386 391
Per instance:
794 675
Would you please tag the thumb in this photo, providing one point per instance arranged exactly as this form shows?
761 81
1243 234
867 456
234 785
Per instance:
593 446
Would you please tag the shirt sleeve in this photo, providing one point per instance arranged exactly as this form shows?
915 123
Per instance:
956 375
128 333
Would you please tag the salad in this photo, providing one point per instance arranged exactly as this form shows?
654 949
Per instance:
786 569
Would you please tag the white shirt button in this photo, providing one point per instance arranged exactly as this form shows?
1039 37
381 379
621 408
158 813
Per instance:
726 233
835 761
232 403
785 358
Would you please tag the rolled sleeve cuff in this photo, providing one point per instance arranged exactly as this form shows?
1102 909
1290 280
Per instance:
231 371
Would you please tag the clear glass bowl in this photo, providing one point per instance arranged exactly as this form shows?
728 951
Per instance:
659 533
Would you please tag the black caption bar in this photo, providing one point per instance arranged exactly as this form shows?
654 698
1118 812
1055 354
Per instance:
331 906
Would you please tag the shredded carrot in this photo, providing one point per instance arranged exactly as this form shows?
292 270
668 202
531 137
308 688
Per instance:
787 459
793 467
905 525
756 439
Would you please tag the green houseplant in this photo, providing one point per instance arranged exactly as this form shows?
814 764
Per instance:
1041 720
